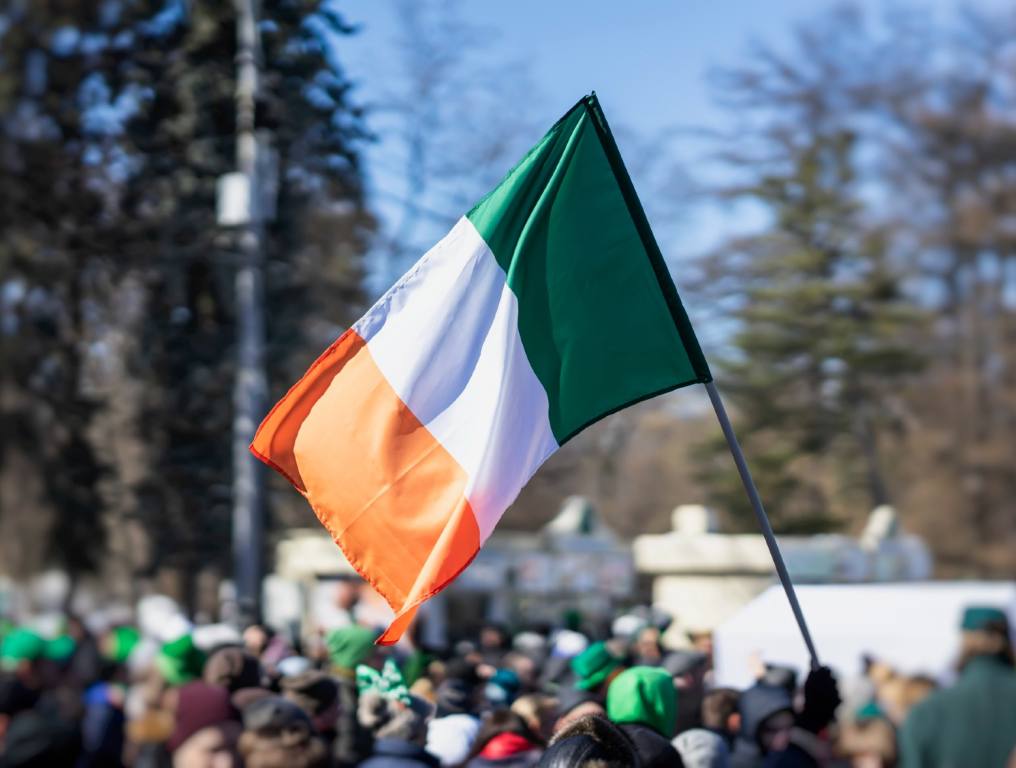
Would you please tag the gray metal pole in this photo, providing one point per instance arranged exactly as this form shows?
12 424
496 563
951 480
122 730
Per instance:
763 519
251 388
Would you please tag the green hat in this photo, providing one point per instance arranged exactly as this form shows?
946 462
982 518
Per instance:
593 666
120 642
180 661
350 646
982 617
644 695
60 648
21 645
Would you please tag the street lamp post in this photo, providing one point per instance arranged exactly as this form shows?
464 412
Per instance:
251 388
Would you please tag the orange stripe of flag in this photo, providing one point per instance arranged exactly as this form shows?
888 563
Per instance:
387 491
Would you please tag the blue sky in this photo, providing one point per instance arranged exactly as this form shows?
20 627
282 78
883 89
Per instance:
648 61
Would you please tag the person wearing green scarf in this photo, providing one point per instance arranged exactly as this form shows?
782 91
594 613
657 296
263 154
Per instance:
349 647
642 701
180 661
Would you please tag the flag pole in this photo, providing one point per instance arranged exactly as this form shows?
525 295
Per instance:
763 519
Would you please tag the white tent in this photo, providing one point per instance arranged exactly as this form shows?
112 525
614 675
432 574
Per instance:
913 627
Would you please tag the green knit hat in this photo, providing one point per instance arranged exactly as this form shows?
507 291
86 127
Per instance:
21 645
180 661
644 695
60 648
350 646
119 643
982 617
593 666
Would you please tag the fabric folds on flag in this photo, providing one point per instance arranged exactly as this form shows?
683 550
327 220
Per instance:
545 308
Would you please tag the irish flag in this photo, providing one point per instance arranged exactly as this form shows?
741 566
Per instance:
545 308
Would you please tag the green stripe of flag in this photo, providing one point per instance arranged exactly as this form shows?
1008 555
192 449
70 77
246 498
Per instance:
599 317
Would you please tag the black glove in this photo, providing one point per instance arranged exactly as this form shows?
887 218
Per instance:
821 698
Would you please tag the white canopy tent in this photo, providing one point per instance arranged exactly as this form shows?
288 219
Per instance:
914 627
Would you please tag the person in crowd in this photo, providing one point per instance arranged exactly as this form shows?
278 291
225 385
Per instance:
34 739
773 734
317 694
505 741
700 748
205 727
277 733
642 701
720 713
591 742
574 704
455 726
868 740
596 667
688 670
540 713
232 668
974 721
348 648
399 727
766 716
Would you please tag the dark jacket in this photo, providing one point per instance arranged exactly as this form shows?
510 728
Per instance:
352 744
396 753
972 723
757 704
654 750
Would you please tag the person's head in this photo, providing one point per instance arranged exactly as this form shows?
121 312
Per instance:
279 734
206 727
647 646
349 647
315 693
256 638
590 742
540 712
573 705
767 717
493 637
118 643
502 688
700 748
985 633
868 743
232 668
390 718
644 695
719 710
595 667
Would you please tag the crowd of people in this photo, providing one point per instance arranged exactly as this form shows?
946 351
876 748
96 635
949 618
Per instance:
161 692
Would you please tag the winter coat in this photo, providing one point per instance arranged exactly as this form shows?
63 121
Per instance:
973 723
507 750
352 742
396 753
757 704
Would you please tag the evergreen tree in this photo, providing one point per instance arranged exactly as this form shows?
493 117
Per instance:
820 341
